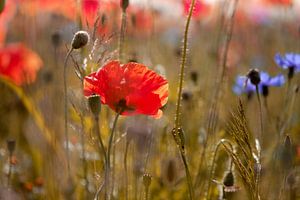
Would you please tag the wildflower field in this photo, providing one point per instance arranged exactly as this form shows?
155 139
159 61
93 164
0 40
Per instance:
149 99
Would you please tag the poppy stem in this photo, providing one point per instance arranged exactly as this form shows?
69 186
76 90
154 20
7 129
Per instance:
178 105
182 67
66 109
9 169
110 142
122 37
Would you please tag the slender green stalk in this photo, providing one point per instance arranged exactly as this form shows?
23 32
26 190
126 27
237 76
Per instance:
126 170
122 37
188 175
66 109
110 142
182 67
101 144
260 115
260 139
178 105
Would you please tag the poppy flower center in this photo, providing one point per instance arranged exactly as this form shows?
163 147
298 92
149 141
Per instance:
121 106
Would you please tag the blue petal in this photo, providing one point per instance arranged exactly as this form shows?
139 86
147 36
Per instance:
277 81
264 77
281 61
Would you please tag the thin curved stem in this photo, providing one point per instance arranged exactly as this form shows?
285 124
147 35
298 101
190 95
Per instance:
182 67
211 174
260 115
188 176
66 109
110 142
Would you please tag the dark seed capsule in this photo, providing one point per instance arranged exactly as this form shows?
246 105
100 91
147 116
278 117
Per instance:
147 180
94 104
228 180
254 76
11 145
56 39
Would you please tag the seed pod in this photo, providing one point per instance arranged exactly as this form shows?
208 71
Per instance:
291 72
80 39
94 104
228 179
194 77
254 76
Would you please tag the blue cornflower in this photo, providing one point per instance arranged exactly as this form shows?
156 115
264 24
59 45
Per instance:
290 61
244 85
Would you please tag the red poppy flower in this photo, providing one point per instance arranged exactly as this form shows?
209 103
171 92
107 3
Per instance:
19 64
132 88
200 9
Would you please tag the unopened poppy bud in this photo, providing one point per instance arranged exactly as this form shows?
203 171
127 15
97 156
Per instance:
80 39
147 180
94 104
56 39
228 179
254 76
11 145
124 4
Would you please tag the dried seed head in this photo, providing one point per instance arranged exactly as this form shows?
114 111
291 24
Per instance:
228 179
56 39
147 180
254 76
265 90
296 89
186 95
80 39
94 104
11 145
124 4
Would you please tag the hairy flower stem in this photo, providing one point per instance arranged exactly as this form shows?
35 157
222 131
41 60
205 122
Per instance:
188 175
66 110
178 105
110 142
260 137
212 168
122 37
102 150
126 170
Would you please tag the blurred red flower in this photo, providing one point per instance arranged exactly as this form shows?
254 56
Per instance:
280 2
200 9
131 87
6 15
19 64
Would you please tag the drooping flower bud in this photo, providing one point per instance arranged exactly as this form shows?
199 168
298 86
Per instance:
124 4
94 104
254 76
80 39
228 179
